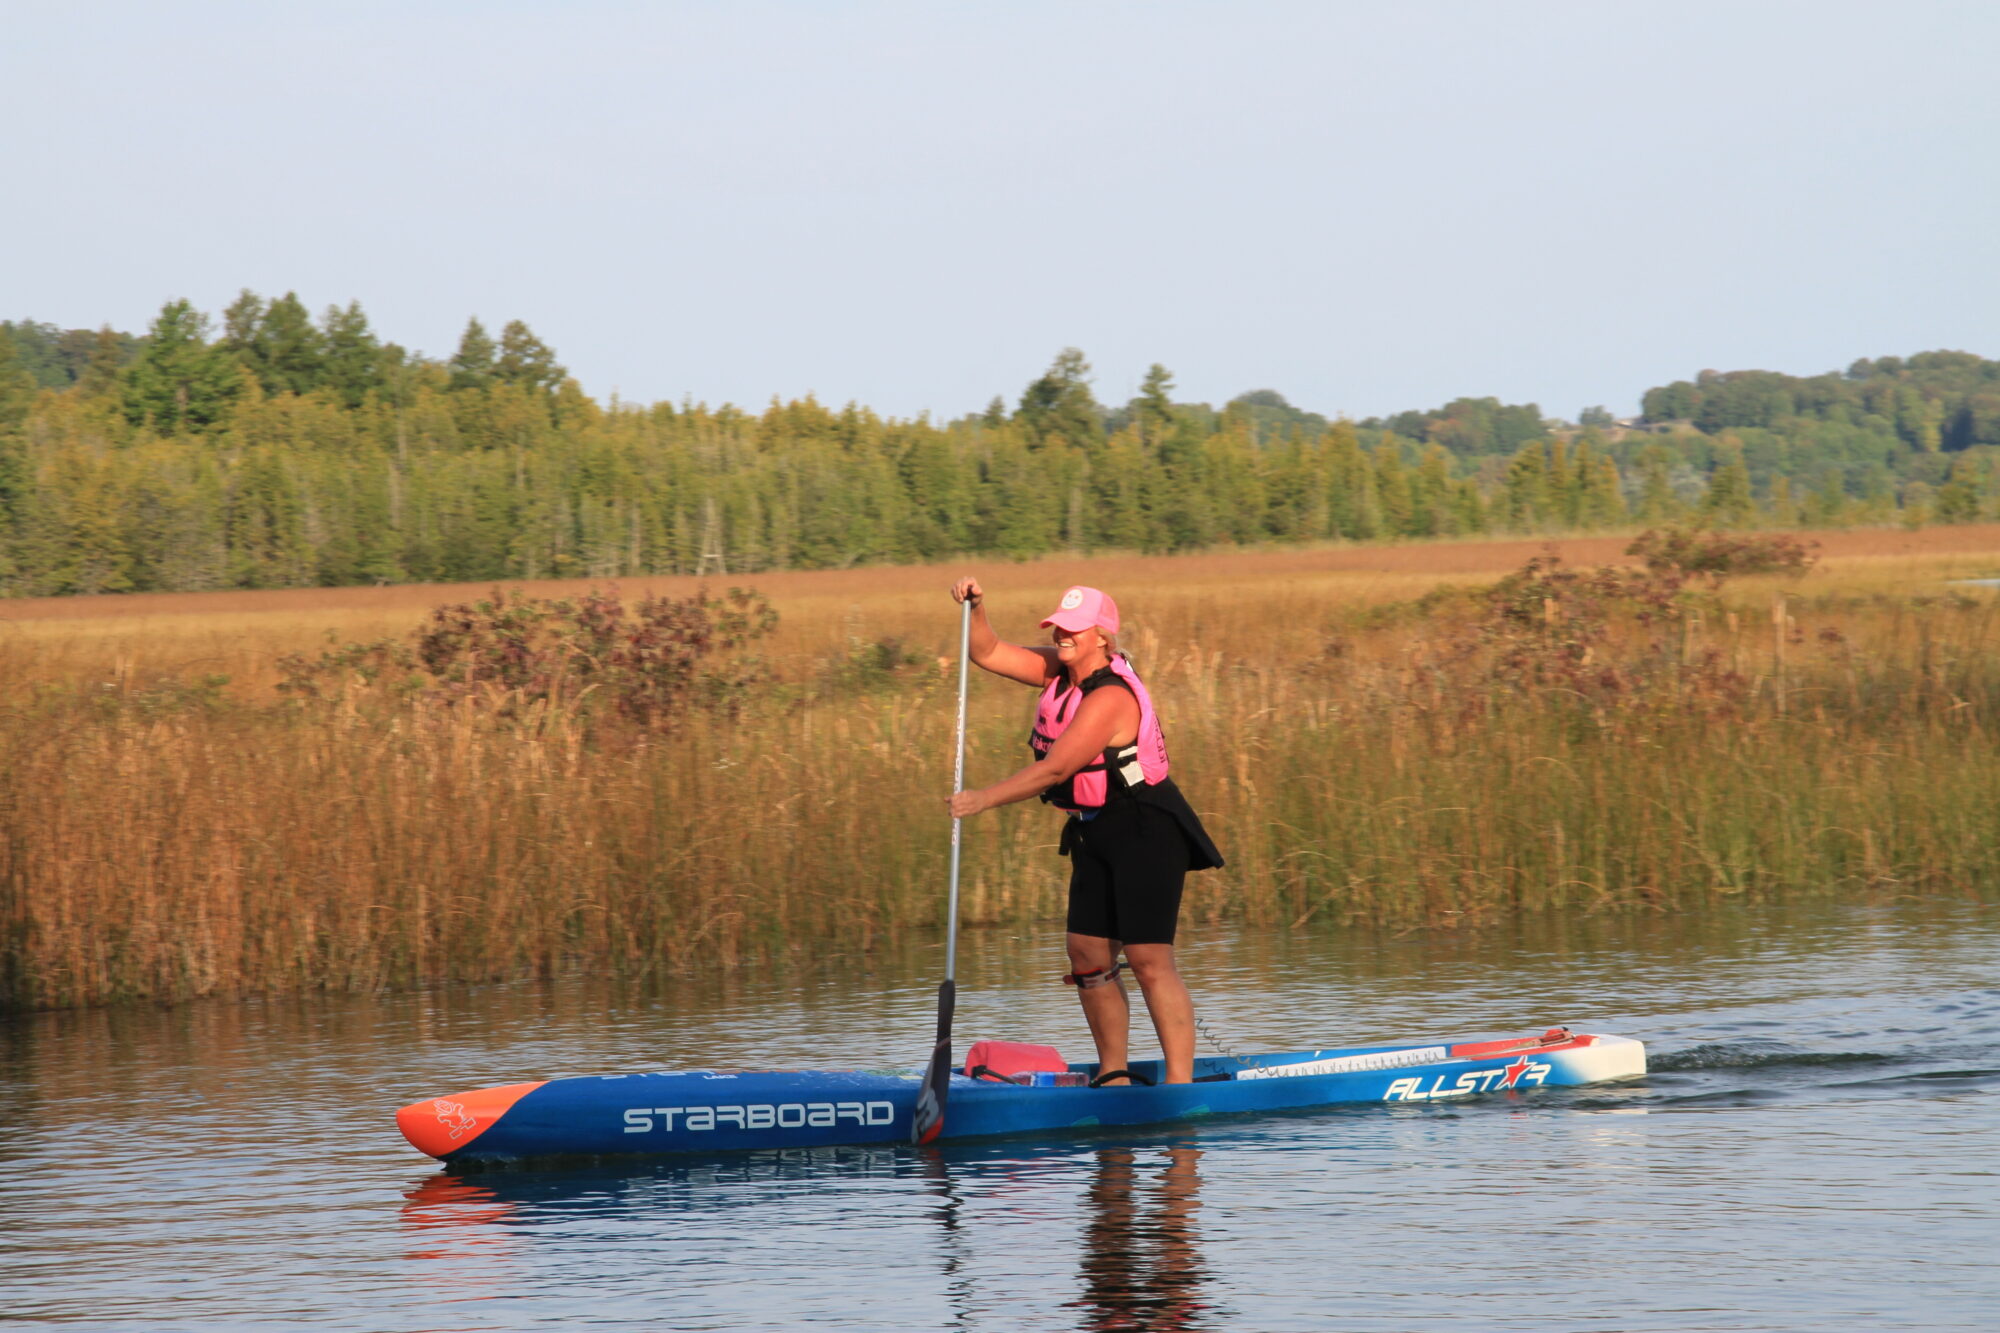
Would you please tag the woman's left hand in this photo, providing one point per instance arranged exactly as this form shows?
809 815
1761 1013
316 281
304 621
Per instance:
967 804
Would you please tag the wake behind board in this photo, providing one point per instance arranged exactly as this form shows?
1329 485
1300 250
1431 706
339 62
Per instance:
723 1111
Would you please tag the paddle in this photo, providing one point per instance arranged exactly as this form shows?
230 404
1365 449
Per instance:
928 1122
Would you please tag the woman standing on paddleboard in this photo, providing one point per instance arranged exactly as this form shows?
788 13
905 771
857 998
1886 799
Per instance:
1131 836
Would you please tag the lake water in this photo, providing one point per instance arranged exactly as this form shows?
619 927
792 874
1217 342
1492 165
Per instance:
1816 1149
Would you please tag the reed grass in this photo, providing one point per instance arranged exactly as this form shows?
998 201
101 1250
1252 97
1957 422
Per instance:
170 828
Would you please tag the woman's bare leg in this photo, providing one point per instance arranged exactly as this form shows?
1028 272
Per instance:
1105 1007
1168 1001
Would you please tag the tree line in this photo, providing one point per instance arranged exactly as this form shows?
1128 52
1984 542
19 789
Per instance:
278 448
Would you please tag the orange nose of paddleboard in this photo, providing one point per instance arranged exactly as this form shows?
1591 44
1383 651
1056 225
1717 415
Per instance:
445 1125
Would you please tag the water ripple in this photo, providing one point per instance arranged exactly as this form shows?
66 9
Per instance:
1815 1143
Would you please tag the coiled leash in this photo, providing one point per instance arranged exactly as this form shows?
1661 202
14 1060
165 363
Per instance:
1222 1050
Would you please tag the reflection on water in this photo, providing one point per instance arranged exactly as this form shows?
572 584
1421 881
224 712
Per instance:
1138 1258
1816 1139
456 1224
1141 1267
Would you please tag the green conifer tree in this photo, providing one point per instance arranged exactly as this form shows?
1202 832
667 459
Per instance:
1559 486
354 362
1433 491
1366 507
1060 405
382 534
241 320
472 365
1233 484
1121 495
268 540
1527 497
1393 492
1153 409
179 381
1288 490
289 351
174 506
17 385
1604 495
1352 511
1468 507
90 555
526 360
1180 498
1585 482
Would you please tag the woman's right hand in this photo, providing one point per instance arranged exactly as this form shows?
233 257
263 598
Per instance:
967 590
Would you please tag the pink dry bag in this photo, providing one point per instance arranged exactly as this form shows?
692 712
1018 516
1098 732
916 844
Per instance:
1006 1061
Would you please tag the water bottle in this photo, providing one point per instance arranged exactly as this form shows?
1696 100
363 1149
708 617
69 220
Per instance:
1068 1078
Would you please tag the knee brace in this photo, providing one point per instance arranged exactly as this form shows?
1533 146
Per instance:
1101 977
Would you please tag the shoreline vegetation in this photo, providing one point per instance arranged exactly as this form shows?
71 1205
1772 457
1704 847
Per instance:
235 793
276 449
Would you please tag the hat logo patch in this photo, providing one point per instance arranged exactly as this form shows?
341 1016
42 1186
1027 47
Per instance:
1072 599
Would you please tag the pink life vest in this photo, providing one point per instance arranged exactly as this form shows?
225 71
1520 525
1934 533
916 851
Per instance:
1121 767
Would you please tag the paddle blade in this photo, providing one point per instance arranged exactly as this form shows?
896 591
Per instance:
928 1122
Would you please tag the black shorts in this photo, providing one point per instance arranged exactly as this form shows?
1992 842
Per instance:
1126 871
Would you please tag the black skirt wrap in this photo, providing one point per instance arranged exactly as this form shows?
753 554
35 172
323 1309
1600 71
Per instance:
1202 852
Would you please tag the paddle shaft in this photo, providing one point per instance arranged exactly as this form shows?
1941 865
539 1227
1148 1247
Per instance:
928 1121
957 785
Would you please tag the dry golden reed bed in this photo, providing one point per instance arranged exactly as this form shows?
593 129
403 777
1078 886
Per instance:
167 833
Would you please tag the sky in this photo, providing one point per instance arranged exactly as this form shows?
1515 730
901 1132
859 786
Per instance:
916 206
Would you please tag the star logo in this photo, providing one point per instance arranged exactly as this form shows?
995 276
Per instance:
453 1117
1512 1073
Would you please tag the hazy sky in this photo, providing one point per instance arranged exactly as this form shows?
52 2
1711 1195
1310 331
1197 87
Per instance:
1365 206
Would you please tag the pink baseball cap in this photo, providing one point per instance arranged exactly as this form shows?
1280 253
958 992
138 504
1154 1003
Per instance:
1081 608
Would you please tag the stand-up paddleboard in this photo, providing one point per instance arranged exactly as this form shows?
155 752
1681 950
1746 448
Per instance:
724 1111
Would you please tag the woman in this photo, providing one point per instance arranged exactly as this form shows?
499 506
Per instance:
1131 837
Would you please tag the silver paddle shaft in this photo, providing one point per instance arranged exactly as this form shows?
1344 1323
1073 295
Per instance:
958 785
